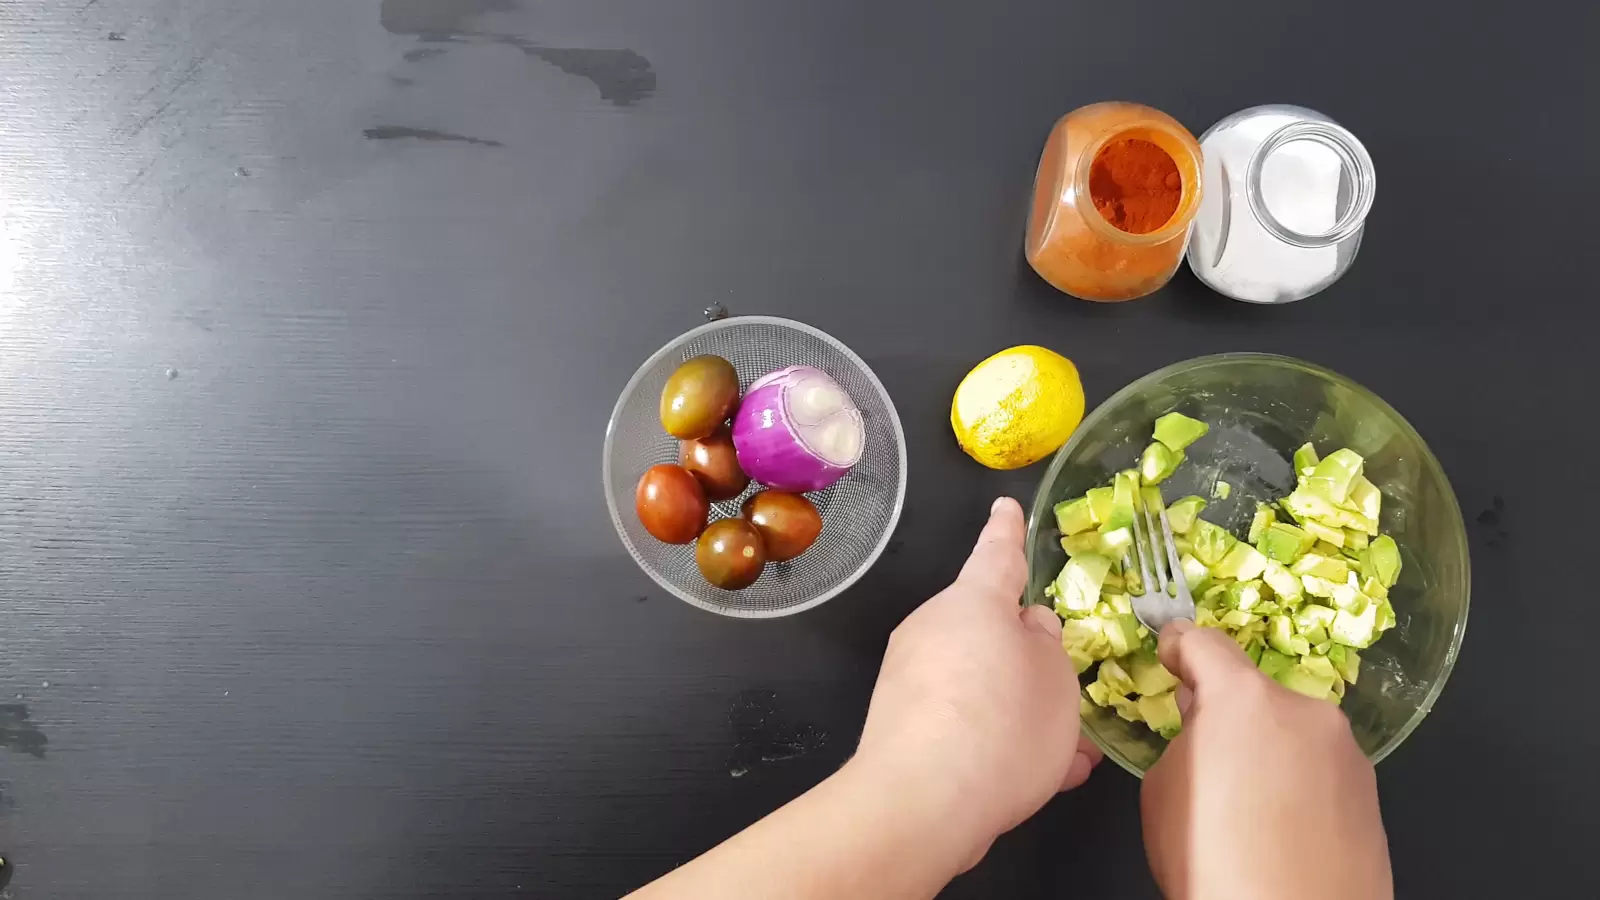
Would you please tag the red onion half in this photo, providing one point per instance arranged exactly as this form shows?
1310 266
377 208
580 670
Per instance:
797 430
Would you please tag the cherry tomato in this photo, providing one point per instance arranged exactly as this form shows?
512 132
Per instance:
670 504
788 523
715 464
730 554
699 396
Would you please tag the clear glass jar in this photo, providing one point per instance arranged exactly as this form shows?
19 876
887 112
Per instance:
1070 242
1286 201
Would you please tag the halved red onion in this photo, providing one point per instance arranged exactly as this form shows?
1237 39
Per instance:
797 430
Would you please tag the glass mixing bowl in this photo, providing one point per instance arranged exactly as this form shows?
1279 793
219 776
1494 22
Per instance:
1260 408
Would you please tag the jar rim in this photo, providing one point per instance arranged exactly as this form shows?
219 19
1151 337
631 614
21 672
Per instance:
1353 158
1189 170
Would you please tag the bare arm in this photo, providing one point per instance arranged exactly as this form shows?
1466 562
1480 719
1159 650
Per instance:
973 727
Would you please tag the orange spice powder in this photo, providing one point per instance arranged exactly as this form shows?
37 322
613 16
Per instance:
1135 185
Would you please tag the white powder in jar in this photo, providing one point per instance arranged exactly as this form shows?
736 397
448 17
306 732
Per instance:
1300 184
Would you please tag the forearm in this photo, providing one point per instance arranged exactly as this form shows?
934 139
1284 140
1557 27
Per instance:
868 831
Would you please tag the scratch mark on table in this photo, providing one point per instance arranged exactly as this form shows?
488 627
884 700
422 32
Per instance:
397 132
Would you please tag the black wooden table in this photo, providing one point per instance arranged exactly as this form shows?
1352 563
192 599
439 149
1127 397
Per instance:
312 313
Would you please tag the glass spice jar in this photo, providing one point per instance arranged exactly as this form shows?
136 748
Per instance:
1287 197
1117 186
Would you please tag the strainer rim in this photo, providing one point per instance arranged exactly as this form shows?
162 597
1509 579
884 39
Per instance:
607 475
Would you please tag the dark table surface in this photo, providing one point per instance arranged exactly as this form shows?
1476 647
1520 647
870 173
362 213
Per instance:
312 314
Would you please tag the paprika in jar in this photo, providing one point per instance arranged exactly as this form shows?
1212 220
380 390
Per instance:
1117 186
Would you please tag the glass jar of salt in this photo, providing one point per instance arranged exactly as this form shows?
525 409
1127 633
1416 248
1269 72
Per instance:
1286 197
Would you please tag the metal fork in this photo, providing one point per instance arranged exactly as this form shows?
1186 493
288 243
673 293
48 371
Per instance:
1157 606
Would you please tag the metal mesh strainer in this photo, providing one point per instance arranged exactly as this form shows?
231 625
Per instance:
859 511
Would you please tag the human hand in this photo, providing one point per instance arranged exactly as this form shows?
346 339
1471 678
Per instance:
976 700
1264 794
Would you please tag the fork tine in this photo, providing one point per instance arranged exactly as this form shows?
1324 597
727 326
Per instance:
1142 550
1155 541
1178 578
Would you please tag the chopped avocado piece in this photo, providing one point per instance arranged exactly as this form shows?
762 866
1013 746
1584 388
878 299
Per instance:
1385 617
1243 595
1122 634
1268 608
1115 677
1237 618
1078 586
1253 650
1195 573
1336 696
1081 660
1116 542
1356 630
1206 617
1365 498
1382 561
1243 562
1304 504
1222 490
1347 661
1284 543
1177 431
1313 617
1321 532
1211 542
1334 474
1319 665
1157 462
1087 542
1149 675
1119 603
1305 457
1124 490
1374 589
1160 712
1274 663
1073 516
1100 503
1280 632
1127 708
1181 514
1098 693
1316 587
1355 540
1326 549
1263 520
1086 635
1281 580
1302 681
1150 499
1182 544
1334 570
1256 629
1349 599
1111 545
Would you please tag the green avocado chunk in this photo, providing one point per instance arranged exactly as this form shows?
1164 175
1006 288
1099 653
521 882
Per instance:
1157 462
1178 431
1181 514
1074 516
